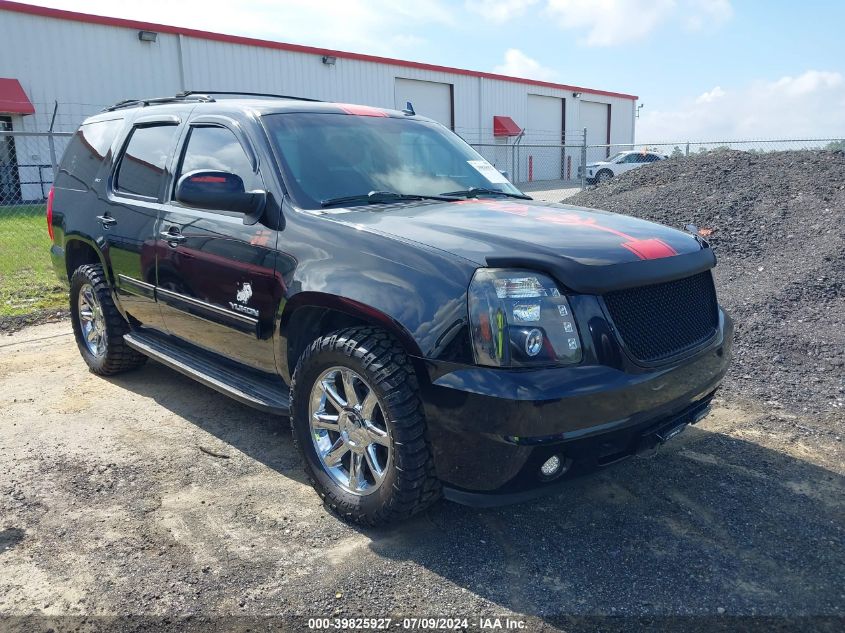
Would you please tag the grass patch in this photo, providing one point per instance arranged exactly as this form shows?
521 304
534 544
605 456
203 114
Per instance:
27 280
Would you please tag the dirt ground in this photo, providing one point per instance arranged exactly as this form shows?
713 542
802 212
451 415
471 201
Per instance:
111 503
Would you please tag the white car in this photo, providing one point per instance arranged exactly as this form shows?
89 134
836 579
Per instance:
602 171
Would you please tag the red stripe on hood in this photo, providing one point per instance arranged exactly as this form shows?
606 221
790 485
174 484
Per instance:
650 249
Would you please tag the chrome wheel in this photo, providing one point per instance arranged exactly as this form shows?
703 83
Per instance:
349 431
91 320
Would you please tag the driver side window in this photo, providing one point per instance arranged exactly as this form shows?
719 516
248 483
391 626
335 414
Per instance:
217 148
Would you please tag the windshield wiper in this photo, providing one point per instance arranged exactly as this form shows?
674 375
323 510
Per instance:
473 192
382 197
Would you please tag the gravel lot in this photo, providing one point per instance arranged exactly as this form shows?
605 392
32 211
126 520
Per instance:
105 514
188 504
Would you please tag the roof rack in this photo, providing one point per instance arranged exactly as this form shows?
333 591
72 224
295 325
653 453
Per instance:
143 103
188 93
199 96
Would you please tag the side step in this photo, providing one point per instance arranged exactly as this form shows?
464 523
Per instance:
244 385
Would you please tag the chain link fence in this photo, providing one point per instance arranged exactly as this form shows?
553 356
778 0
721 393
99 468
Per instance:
28 161
574 164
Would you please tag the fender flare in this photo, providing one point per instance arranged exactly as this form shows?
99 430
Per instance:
345 305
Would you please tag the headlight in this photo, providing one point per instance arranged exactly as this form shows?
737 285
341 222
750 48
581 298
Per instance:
519 318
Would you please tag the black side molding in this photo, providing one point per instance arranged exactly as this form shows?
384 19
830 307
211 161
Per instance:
597 280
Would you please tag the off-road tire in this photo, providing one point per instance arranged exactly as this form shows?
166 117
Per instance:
118 356
410 484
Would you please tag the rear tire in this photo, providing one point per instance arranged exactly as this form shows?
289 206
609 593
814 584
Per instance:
98 325
371 411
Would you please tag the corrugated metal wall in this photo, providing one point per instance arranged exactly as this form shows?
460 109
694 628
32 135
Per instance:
87 66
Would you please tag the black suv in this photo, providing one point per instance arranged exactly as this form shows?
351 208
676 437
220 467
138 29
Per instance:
430 330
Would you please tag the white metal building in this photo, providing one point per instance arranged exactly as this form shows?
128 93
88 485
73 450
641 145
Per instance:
86 62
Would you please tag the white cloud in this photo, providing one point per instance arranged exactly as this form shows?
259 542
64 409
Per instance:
499 11
379 27
518 64
810 105
704 13
615 22
710 95
610 22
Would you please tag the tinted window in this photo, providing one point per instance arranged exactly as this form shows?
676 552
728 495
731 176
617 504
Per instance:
217 148
142 165
333 155
88 149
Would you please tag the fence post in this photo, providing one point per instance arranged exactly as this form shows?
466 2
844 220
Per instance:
687 148
52 143
584 160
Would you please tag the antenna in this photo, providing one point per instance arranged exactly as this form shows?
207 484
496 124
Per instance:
409 109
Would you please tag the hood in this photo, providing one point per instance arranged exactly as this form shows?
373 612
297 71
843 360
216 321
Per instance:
599 163
587 250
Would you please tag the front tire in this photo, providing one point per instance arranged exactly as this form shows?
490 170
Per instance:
603 176
358 422
98 325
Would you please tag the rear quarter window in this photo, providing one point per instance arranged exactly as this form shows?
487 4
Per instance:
86 152
141 170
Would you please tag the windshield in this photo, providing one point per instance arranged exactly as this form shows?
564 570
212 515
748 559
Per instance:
616 158
327 156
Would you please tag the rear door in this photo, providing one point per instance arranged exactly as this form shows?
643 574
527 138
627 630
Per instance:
129 214
216 275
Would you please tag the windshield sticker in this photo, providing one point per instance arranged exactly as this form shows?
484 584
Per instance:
488 171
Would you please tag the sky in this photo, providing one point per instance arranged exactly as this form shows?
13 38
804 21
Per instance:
703 69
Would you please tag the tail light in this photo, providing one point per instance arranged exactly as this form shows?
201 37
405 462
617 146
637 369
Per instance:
50 213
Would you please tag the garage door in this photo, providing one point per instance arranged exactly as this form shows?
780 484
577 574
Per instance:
545 127
594 117
429 98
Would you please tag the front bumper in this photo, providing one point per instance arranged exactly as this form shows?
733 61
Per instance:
491 429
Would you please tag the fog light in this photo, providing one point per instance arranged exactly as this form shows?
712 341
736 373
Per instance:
551 466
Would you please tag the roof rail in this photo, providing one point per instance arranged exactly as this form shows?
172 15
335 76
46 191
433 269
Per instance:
187 93
143 103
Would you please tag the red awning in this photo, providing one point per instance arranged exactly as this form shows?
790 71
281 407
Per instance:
505 126
13 99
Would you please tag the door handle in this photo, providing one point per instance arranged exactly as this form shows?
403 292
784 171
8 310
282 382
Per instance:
106 220
173 236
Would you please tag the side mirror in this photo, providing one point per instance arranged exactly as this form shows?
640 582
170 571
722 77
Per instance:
219 191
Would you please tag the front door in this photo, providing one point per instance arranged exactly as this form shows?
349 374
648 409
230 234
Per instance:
216 275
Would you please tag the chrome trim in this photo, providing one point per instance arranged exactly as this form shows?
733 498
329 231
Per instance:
135 282
136 286
208 306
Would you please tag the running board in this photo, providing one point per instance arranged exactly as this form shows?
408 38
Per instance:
244 386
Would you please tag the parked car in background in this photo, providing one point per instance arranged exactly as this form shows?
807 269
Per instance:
604 170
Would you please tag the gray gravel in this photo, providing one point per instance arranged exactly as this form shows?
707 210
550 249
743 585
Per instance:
778 229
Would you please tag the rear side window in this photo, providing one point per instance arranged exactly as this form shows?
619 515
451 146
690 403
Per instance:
88 149
142 166
217 148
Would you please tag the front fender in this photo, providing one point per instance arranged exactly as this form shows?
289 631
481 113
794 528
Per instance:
416 292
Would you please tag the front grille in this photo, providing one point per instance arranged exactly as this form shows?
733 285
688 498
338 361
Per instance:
664 320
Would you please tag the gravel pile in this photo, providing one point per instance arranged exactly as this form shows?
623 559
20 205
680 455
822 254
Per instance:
778 230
